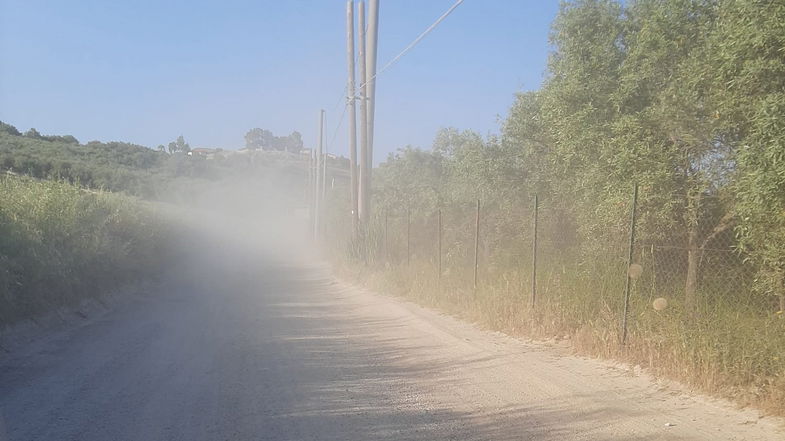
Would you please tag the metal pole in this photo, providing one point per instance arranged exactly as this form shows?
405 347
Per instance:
534 253
324 166
310 193
386 241
408 235
629 262
352 111
370 72
318 183
363 193
476 244
439 251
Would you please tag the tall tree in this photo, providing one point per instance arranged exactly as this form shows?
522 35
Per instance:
668 123
748 72
257 139
179 145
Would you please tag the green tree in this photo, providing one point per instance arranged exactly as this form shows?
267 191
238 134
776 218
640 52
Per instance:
667 125
8 128
294 142
179 145
748 74
33 133
257 139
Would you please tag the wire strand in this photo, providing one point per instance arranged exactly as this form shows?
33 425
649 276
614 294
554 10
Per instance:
413 43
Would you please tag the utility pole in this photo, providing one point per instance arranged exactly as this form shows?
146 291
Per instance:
364 190
352 111
324 165
309 192
318 181
370 72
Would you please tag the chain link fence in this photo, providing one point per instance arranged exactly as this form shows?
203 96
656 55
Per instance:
560 271
684 308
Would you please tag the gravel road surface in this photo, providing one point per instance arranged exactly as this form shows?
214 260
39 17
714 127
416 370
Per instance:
266 349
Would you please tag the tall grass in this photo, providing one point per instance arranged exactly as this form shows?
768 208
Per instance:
60 244
730 348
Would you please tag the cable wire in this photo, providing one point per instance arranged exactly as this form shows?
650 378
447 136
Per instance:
413 43
387 66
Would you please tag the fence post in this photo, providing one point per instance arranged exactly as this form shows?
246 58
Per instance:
476 244
534 252
386 241
408 235
629 262
439 251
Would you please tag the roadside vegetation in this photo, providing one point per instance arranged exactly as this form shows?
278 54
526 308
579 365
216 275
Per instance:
79 220
686 99
163 174
60 244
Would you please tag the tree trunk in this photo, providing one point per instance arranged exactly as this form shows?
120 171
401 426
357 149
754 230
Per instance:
693 261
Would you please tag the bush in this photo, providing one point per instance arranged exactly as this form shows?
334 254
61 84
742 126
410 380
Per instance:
60 244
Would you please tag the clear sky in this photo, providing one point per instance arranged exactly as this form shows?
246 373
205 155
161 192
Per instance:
147 71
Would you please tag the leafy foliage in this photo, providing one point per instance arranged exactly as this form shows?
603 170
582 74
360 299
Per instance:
684 97
258 138
179 146
118 166
60 244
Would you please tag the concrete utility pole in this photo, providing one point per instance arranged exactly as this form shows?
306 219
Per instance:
352 111
370 72
324 165
309 193
318 182
364 191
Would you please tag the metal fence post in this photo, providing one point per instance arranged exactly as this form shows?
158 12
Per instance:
408 235
534 252
439 250
386 241
476 244
629 262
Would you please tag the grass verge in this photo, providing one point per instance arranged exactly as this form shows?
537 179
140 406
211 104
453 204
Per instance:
60 244
728 349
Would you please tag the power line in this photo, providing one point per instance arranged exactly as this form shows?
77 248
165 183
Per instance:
389 64
414 43
337 128
343 97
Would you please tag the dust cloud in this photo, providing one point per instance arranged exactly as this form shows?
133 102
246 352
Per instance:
230 228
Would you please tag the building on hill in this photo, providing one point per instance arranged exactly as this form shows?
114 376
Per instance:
205 152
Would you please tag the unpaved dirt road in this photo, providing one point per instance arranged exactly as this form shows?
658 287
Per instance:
264 349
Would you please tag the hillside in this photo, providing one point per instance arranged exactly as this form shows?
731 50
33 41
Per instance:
137 170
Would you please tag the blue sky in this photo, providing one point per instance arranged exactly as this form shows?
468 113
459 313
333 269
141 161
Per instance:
147 71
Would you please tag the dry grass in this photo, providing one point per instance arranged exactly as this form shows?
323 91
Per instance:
730 349
60 244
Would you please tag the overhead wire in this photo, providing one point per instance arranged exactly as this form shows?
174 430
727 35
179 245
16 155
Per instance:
414 42
389 64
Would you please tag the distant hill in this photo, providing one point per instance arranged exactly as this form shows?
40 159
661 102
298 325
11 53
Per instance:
131 168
